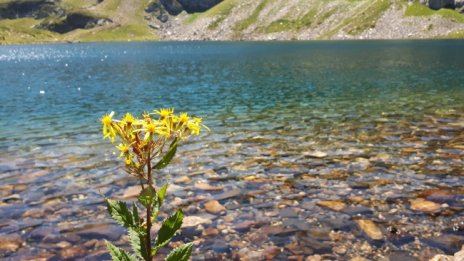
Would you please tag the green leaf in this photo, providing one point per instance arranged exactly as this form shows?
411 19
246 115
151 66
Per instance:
135 215
147 196
168 156
118 254
139 244
162 194
181 253
119 211
168 229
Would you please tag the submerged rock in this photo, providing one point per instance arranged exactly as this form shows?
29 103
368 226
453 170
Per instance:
10 243
448 243
271 252
207 187
191 221
401 256
71 253
336 205
229 194
316 154
213 206
370 229
437 195
132 192
423 205
183 179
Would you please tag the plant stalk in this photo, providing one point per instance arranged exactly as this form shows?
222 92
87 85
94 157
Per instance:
148 239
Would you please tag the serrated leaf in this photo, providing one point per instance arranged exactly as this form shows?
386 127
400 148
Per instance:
119 211
135 215
168 229
118 254
181 253
147 196
168 156
162 194
138 243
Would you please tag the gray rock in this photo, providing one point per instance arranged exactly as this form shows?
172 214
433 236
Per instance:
172 6
175 7
437 4
198 6
401 256
448 243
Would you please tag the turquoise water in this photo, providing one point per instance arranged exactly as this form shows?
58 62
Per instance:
299 111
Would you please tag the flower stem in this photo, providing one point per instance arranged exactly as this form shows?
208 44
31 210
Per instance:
148 239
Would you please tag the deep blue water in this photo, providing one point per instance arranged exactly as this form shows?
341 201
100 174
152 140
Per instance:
268 102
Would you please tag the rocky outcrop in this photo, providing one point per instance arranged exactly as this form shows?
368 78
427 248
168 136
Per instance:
74 21
198 6
161 8
172 6
438 4
37 9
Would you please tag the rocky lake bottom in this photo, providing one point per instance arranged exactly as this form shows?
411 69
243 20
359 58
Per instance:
341 160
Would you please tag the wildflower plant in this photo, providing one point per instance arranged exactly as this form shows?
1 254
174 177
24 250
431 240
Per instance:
148 144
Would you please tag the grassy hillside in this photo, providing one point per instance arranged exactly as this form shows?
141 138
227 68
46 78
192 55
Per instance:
127 23
321 19
245 19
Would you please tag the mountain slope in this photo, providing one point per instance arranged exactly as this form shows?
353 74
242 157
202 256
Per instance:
128 20
122 20
316 19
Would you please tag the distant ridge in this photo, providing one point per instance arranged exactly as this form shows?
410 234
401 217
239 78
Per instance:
35 21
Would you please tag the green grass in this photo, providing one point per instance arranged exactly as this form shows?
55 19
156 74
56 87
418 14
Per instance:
311 17
284 25
324 16
222 8
366 17
110 6
23 31
456 35
221 11
76 4
417 9
192 18
120 33
247 22
133 28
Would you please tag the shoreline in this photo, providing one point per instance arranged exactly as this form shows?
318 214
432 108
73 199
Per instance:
234 41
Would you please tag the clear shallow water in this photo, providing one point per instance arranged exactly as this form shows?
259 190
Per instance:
371 124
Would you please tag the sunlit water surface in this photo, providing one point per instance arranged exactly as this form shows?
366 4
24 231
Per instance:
371 125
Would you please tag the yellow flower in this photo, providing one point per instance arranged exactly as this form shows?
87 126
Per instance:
197 120
146 135
128 119
108 129
146 116
123 148
151 128
107 119
128 159
165 112
183 118
174 119
194 128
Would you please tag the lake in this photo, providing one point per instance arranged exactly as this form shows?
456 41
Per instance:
338 149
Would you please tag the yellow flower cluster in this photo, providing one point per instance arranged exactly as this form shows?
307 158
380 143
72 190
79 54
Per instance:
143 139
